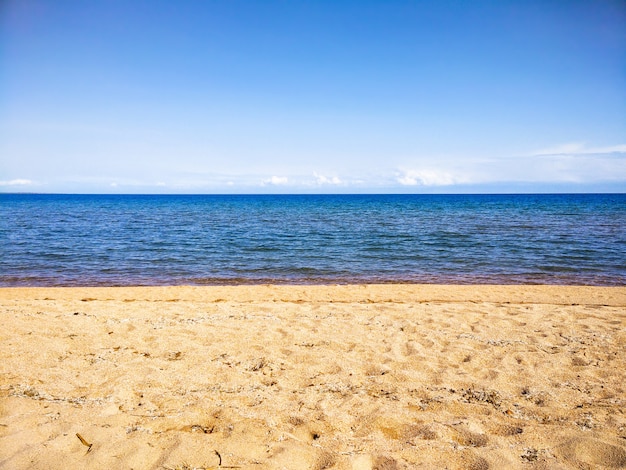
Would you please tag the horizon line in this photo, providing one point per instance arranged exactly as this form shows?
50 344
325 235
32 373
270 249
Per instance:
313 194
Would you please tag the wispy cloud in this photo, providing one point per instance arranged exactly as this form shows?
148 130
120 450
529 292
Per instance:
579 148
16 182
571 163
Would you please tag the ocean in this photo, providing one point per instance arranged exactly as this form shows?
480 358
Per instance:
122 240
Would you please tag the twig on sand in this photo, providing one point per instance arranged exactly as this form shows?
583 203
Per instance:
185 466
219 464
84 442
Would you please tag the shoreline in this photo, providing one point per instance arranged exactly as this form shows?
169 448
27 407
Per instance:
467 280
354 377
513 293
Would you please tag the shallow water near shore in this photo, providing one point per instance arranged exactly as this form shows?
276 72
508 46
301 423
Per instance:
69 240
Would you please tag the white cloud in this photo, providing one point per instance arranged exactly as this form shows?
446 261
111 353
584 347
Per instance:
276 180
426 178
321 179
16 182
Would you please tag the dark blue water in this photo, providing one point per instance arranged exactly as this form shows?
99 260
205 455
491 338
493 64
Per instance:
67 240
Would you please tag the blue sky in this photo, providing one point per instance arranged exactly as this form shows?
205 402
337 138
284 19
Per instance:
123 96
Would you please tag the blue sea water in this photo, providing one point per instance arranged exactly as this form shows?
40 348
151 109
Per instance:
69 240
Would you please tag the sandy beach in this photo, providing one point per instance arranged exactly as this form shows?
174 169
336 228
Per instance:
313 377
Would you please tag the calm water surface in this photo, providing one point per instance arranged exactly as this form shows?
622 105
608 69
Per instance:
66 240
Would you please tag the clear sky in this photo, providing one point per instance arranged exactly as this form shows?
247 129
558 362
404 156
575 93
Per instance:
231 96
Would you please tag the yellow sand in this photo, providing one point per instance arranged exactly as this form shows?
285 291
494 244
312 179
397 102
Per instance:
313 377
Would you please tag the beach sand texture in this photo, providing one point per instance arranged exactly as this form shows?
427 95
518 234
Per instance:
312 377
